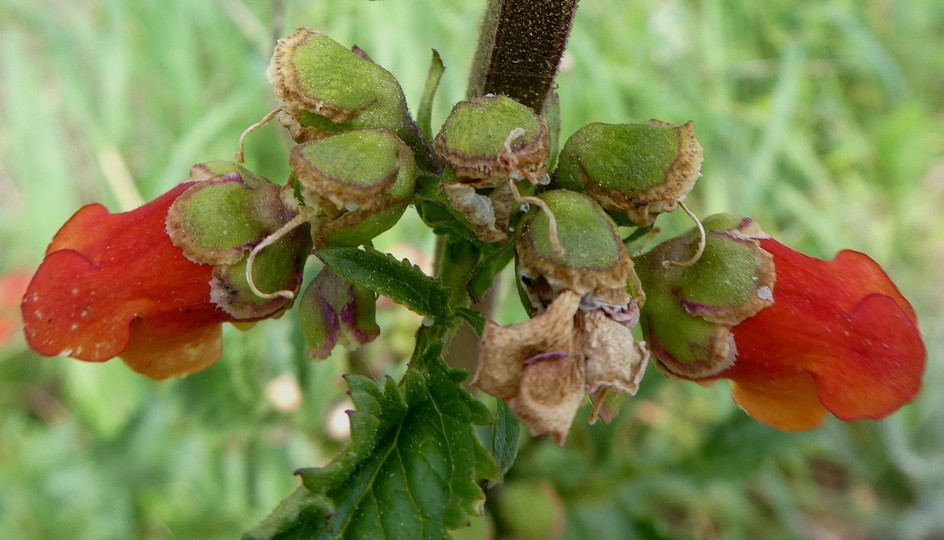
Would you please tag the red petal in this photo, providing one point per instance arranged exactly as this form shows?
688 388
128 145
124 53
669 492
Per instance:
105 270
789 403
881 367
844 323
181 354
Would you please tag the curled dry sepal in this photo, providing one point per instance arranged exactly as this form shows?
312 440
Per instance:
580 340
154 284
797 336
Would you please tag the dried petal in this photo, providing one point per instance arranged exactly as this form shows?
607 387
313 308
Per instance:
505 349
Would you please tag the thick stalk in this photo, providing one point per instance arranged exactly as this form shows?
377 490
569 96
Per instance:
520 47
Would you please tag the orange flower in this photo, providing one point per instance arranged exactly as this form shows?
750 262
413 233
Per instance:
797 336
115 284
839 337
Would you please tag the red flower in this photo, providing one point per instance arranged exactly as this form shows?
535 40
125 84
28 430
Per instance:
839 337
115 284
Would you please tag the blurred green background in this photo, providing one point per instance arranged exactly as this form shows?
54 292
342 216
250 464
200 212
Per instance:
821 119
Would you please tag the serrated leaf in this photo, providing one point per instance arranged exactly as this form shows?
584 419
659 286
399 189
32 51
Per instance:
410 470
292 517
401 281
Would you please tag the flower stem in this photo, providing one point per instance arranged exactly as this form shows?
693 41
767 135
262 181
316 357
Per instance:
520 47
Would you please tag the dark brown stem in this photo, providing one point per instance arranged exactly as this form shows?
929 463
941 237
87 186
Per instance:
520 46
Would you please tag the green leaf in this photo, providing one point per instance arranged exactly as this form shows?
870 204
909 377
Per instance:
495 258
411 467
501 438
296 517
475 319
425 111
401 281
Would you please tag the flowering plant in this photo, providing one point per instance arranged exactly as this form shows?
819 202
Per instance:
797 336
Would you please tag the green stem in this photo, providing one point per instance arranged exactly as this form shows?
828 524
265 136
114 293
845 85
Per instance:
520 47
455 261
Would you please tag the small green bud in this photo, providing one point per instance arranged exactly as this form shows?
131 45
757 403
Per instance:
690 309
640 170
334 310
360 182
480 143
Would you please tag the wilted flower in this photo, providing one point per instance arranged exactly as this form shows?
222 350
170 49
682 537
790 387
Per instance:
580 341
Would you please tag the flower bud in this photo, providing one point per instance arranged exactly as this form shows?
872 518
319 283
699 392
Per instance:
690 310
639 170
359 182
325 88
334 310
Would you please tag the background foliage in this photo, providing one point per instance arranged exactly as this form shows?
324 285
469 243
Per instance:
820 119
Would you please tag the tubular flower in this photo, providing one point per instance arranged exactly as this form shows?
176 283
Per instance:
832 336
117 285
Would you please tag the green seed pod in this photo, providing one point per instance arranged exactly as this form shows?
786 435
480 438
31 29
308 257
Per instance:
639 170
218 221
480 143
690 310
594 261
222 216
324 88
359 182
584 301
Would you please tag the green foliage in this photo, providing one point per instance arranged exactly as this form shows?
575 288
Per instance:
821 119
401 281
410 469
